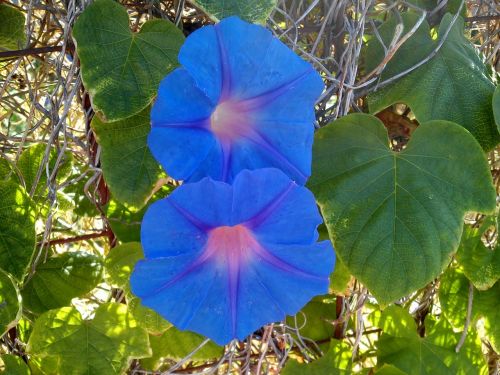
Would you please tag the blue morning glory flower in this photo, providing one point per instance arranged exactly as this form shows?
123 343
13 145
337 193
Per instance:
223 260
241 100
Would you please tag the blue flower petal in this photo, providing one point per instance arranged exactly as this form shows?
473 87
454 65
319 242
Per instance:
283 129
294 221
200 55
261 151
252 94
179 138
277 210
253 191
258 307
317 260
257 63
212 165
301 269
213 265
180 151
165 232
212 315
207 202
243 47
179 296
180 103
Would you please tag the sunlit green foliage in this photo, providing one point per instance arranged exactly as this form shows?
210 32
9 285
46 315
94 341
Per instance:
10 303
17 228
64 343
60 279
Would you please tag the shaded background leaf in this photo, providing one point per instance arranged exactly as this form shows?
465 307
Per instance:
496 106
120 263
336 361
480 264
433 354
30 162
315 320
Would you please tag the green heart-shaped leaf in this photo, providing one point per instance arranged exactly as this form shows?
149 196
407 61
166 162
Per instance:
120 263
486 306
396 218
17 228
125 220
390 370
314 320
60 279
120 69
63 343
30 162
127 164
453 296
5 169
454 85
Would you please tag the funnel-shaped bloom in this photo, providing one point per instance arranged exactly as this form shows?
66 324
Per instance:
223 260
241 100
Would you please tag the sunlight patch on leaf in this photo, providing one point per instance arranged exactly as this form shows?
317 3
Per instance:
60 279
17 228
65 343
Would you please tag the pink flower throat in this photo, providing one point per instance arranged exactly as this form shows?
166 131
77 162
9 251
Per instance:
230 121
231 243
